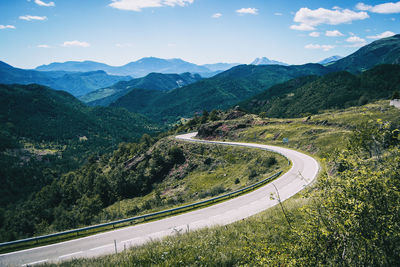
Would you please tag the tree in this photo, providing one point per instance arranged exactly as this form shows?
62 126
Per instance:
396 95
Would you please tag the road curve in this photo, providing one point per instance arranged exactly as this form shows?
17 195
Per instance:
303 171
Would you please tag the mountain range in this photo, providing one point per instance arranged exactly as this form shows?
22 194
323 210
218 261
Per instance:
139 68
244 81
218 92
147 65
76 83
166 98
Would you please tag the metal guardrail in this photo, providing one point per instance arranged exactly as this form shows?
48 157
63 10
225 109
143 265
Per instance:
247 188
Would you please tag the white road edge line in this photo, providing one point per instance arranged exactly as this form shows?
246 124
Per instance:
69 255
35 262
101 247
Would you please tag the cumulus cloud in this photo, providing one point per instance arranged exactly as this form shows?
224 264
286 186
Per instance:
382 35
355 39
314 34
29 17
385 8
249 10
3 27
41 3
138 5
363 7
216 15
302 27
317 46
308 19
334 33
43 46
75 43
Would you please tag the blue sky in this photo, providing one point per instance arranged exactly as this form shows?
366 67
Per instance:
116 32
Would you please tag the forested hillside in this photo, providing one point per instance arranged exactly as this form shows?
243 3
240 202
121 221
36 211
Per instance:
153 81
382 51
218 92
309 95
45 133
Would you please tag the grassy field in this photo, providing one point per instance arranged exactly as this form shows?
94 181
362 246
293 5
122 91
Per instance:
266 239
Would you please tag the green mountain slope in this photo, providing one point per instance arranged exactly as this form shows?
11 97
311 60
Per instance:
383 51
154 81
309 95
75 83
44 133
218 92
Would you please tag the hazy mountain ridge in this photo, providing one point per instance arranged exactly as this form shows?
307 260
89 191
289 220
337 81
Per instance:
76 83
139 68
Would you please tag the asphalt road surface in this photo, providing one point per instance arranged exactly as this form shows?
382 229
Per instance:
303 171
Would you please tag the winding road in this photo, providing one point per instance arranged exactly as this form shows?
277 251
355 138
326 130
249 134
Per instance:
303 171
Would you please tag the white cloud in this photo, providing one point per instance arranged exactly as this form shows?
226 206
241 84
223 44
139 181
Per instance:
355 39
363 7
308 19
43 46
386 8
334 33
138 5
382 35
314 34
177 2
278 14
249 10
75 43
41 3
317 46
302 27
2 27
29 17
216 15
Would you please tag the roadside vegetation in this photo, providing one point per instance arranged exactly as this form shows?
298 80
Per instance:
137 178
349 217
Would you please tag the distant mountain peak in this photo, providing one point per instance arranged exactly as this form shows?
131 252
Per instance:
330 60
267 61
